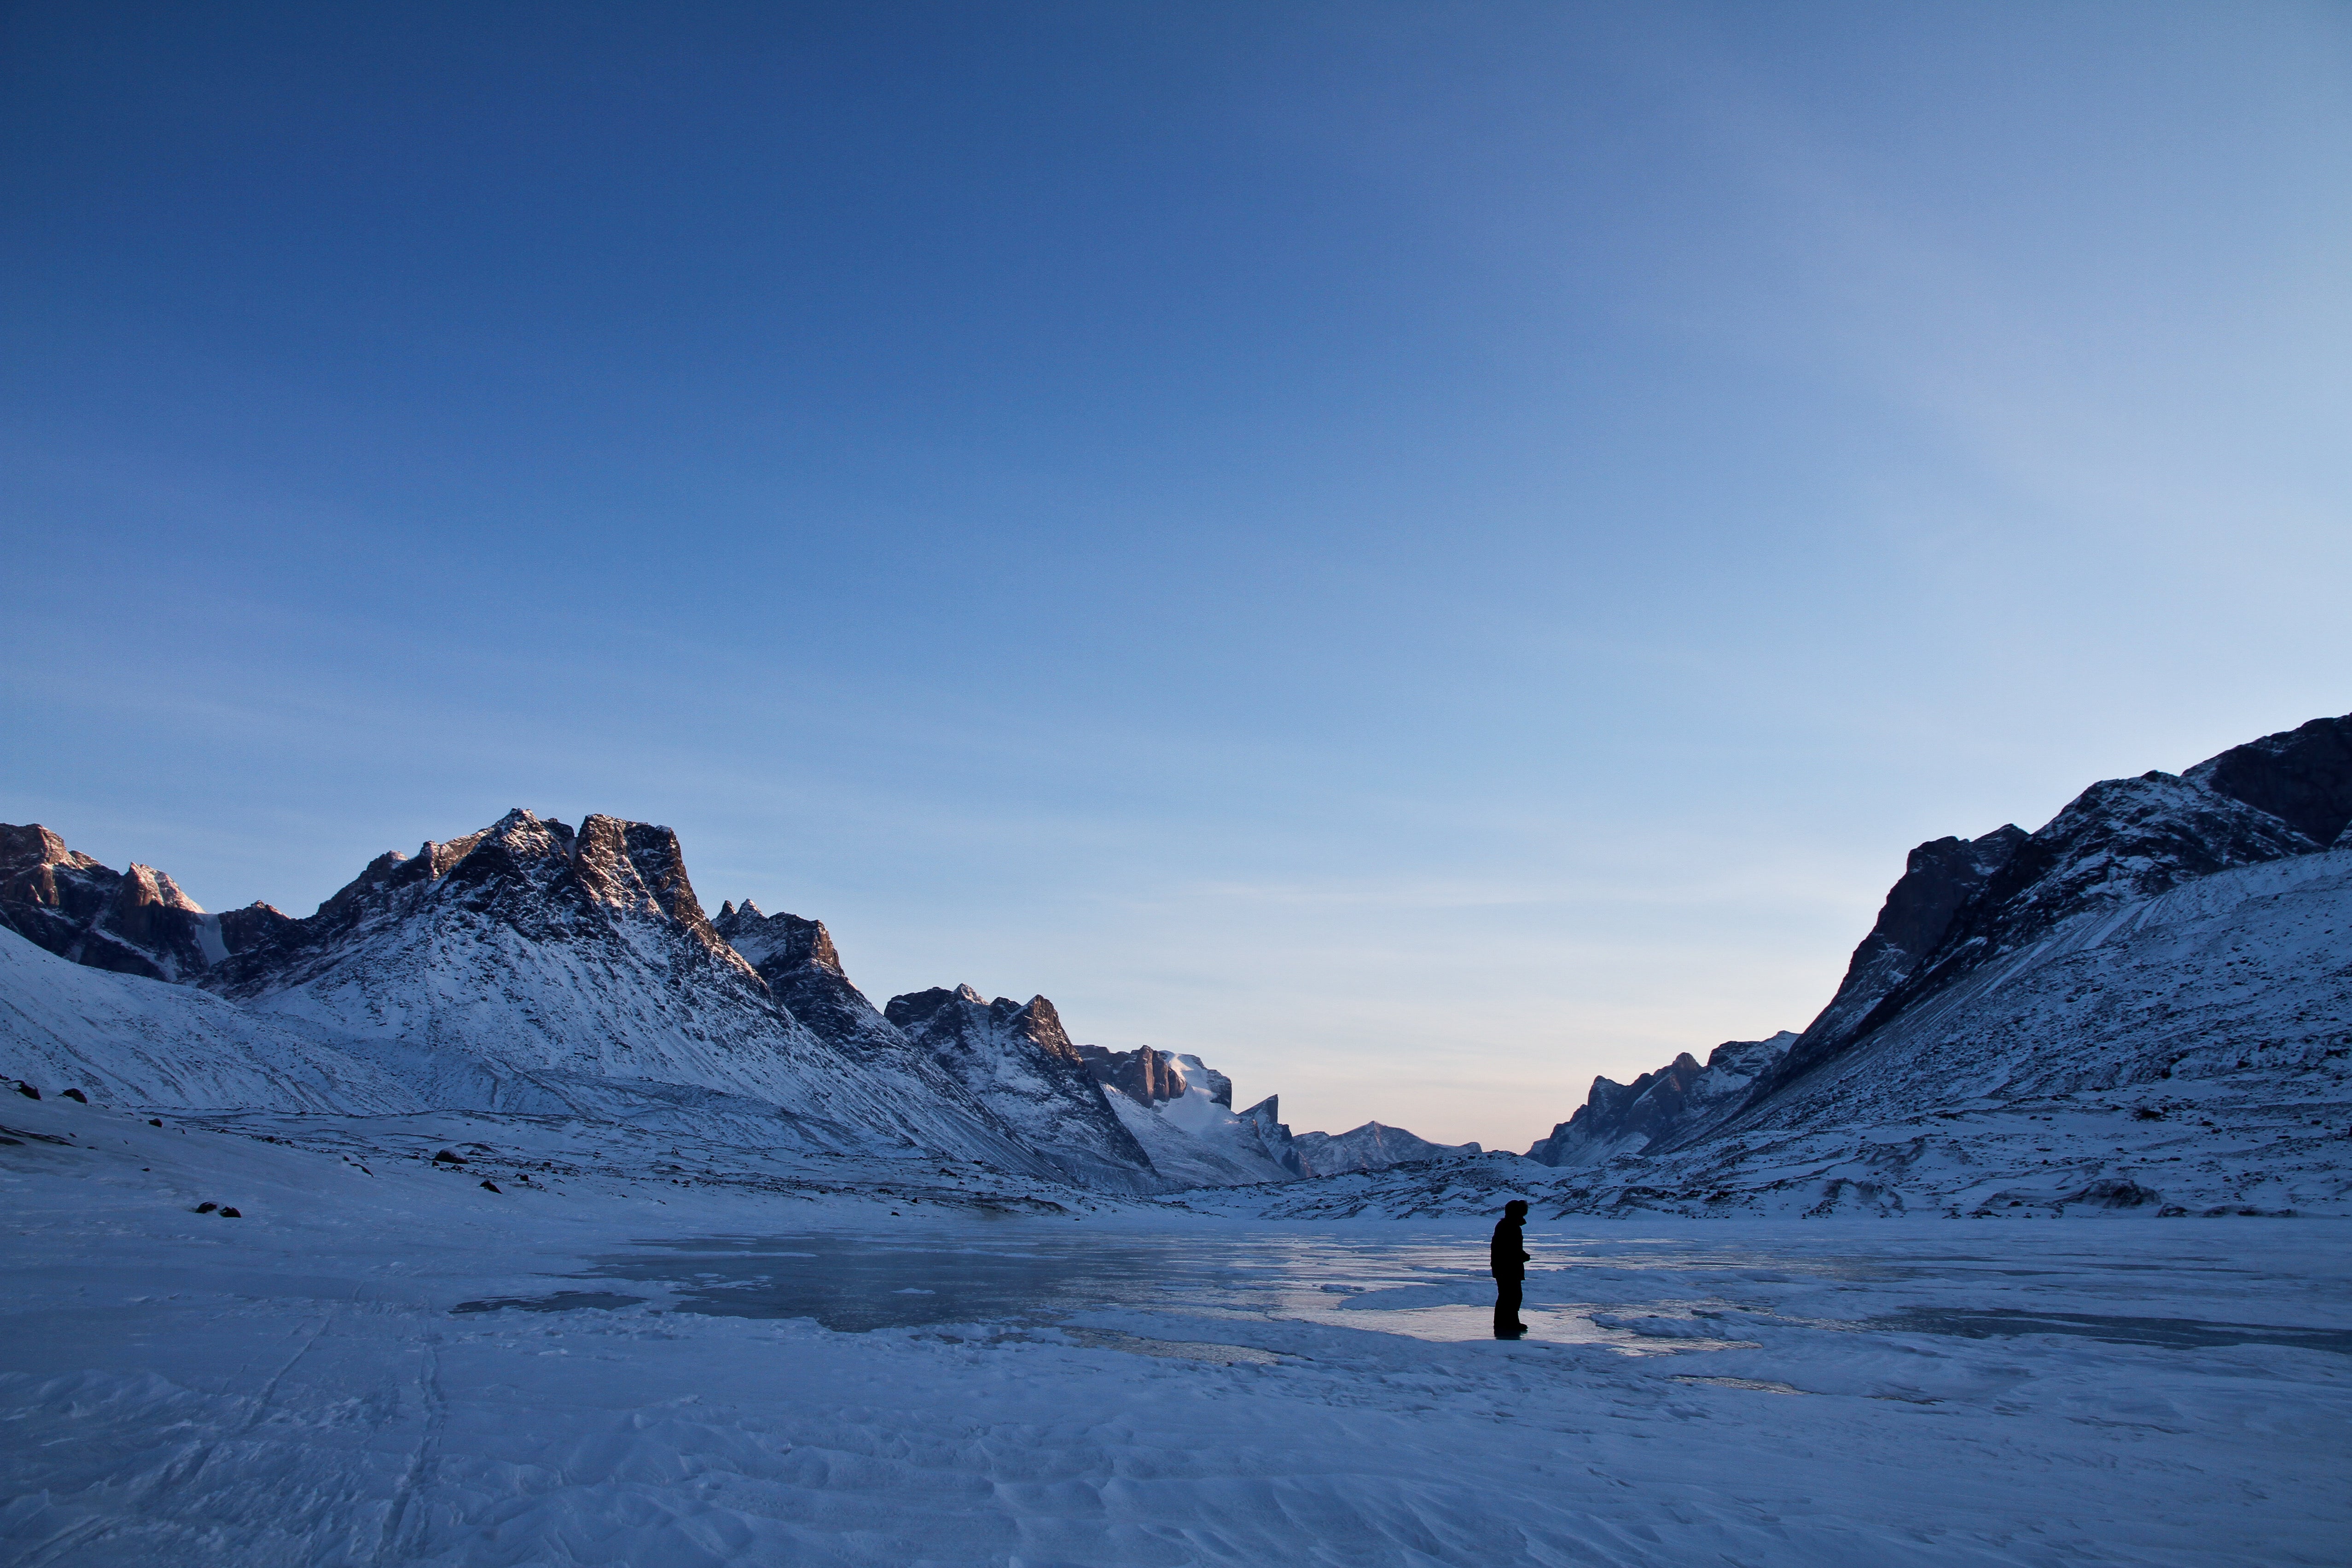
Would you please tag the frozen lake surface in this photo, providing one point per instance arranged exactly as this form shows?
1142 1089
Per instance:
394 1366
1416 1284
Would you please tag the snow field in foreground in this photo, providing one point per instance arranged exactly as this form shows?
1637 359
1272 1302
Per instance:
293 1388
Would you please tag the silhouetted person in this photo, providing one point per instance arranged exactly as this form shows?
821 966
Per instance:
1508 1259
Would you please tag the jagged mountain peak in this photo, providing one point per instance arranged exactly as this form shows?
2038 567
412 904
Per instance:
1040 1023
783 939
136 921
797 959
146 887
1659 1106
1018 1059
2303 776
535 873
26 849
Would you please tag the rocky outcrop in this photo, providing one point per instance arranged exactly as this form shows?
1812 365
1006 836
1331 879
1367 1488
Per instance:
1963 904
797 959
1938 881
2302 776
1657 1107
1146 1076
129 922
1274 1137
1017 1060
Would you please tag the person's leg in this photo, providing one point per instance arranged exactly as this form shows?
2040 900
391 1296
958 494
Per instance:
1506 1309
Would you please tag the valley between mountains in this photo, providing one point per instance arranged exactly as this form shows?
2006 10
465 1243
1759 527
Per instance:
511 1210
2144 1005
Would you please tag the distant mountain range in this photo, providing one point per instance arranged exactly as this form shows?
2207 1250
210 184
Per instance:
535 967
2165 940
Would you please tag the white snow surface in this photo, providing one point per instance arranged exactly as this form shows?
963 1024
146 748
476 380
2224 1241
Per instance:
298 1385
1196 1143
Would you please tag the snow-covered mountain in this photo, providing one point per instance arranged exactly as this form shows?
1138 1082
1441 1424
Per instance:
532 969
2159 976
526 968
1182 1110
1628 1117
2143 1005
132 922
2147 1002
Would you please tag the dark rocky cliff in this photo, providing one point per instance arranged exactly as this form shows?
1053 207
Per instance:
1144 1075
1962 904
797 959
1020 1062
130 922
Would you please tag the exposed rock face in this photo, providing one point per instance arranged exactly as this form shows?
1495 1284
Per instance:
532 963
1628 1117
1280 1147
1939 879
130 922
1963 904
2302 776
1371 1147
1018 1061
1144 1075
797 960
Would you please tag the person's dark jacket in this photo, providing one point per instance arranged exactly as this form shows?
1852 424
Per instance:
1507 1253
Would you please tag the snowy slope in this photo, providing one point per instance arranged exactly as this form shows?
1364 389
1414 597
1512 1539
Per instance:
803 969
131 1041
1017 1060
330 1379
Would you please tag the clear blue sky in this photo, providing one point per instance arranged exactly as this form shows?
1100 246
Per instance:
1423 551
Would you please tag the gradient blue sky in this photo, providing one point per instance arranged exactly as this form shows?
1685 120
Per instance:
1423 551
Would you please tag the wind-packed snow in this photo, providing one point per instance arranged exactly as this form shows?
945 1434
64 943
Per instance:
331 1378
